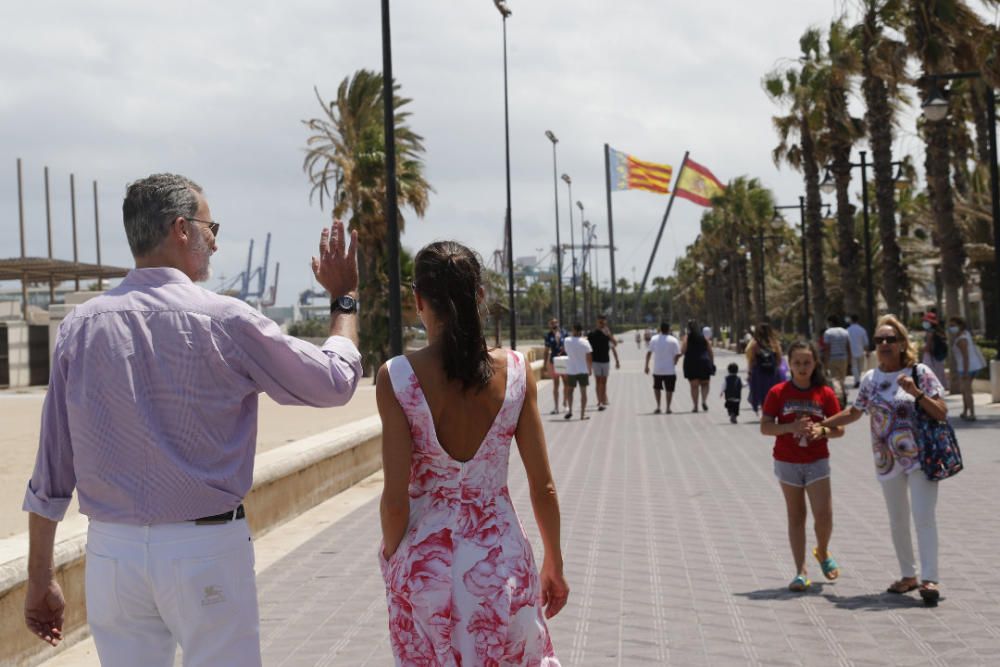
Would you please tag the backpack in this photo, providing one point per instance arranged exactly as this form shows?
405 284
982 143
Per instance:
765 360
939 347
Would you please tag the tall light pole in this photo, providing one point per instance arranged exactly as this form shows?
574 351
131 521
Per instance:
828 186
555 196
935 108
391 210
583 261
572 241
807 315
505 12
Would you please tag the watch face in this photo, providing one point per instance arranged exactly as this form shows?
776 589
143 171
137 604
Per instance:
347 303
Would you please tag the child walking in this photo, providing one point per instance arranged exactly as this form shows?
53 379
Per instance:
732 391
792 411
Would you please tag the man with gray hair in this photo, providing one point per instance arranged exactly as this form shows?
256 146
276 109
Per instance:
151 415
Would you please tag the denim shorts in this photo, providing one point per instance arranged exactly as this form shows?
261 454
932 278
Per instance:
801 474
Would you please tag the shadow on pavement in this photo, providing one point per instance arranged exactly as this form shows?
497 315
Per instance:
782 593
981 422
875 601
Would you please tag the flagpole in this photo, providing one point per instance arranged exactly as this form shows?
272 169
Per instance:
611 230
663 224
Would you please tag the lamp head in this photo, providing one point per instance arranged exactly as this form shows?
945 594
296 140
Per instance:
579 205
552 137
827 186
502 7
935 107
566 178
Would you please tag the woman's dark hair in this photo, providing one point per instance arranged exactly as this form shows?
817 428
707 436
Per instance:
818 377
764 335
448 277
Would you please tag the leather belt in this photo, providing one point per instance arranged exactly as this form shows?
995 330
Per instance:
225 517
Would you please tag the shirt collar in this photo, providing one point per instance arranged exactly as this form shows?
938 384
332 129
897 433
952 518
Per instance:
154 276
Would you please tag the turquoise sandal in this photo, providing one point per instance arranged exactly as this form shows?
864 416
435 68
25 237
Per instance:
829 566
799 584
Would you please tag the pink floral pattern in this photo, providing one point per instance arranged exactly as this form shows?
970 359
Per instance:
462 587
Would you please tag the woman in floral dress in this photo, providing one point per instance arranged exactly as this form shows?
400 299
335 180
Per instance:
461 582
889 394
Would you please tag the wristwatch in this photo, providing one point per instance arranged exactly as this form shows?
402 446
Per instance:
344 304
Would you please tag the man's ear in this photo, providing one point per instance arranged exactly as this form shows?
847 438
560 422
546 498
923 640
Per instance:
419 301
480 294
180 227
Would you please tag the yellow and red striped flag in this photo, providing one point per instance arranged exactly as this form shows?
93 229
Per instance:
629 173
696 183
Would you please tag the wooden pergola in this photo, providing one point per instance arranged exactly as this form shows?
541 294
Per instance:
51 271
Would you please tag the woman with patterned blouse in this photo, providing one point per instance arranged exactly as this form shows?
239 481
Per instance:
890 395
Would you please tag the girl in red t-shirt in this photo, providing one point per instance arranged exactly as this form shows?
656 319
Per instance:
792 412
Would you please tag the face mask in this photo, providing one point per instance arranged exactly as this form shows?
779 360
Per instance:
926 325
953 329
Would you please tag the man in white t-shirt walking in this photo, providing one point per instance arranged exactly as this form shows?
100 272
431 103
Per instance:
859 348
579 366
665 350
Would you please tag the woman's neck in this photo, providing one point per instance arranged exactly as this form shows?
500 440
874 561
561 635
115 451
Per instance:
799 384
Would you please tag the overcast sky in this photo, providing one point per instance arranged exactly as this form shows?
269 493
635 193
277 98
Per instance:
113 91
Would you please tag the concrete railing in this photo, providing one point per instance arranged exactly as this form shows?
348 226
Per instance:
287 481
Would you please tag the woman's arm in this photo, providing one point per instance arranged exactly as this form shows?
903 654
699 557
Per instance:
750 351
531 445
396 452
963 347
711 352
848 415
935 407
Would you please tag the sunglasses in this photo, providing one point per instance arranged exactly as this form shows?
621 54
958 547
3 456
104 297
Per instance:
888 340
212 226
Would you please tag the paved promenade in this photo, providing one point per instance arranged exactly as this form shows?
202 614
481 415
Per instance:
676 553
675 548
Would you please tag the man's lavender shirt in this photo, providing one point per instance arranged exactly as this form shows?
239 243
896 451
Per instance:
151 411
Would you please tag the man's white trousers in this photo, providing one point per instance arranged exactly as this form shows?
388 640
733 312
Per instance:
150 588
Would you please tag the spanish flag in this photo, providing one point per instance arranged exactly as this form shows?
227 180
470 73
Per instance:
698 184
628 173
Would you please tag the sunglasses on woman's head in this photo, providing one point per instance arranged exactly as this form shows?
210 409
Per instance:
888 340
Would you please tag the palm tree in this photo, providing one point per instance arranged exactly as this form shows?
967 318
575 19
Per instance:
935 31
345 162
797 85
883 65
842 61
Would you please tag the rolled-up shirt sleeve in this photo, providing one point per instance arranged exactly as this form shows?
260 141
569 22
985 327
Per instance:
292 371
50 489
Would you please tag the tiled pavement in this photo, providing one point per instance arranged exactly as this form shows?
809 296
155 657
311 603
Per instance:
676 553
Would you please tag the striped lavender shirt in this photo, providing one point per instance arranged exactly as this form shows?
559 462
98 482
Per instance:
151 411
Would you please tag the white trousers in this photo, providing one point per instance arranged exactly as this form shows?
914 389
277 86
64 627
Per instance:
150 588
902 493
858 367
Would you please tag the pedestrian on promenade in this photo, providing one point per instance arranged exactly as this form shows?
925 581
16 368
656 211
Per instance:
603 343
890 395
764 359
151 414
836 342
732 391
859 348
579 367
461 582
968 361
699 364
554 348
665 350
793 411
706 331
638 340
935 347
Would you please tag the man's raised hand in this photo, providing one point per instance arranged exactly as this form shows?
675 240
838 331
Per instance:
336 269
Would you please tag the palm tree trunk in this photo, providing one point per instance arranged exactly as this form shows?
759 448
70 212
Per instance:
879 118
947 235
981 120
814 225
848 247
756 263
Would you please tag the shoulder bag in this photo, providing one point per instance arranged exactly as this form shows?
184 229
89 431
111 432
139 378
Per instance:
940 456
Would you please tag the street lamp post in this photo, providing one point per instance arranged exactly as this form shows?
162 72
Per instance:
505 12
935 108
391 211
583 261
807 317
555 192
829 187
572 242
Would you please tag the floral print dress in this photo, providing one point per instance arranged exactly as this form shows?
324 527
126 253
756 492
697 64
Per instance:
462 588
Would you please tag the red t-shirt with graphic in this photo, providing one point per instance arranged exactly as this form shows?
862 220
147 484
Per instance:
786 403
